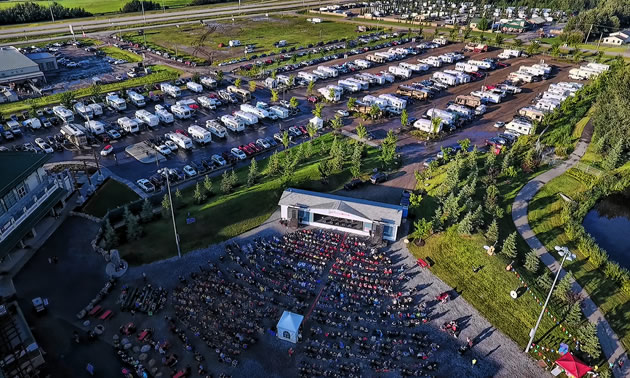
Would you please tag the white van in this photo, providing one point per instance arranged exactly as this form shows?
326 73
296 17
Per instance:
32 123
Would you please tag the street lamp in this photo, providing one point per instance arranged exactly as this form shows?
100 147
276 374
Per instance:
566 255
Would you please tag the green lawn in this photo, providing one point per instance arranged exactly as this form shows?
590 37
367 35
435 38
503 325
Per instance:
159 74
96 7
222 216
110 195
116 53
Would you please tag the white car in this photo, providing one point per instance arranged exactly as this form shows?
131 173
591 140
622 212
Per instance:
44 146
219 160
171 145
285 103
189 171
107 150
343 113
499 124
240 155
163 149
146 185
263 144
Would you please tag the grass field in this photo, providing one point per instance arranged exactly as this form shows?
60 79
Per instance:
116 53
159 74
261 32
110 195
96 7
224 216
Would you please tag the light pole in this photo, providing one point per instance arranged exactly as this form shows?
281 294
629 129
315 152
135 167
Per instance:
170 199
566 255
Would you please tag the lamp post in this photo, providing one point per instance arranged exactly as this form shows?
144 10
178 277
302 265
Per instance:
566 255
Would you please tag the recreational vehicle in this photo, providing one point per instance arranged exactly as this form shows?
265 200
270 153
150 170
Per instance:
136 98
170 90
74 135
182 141
243 94
208 82
115 102
128 124
84 111
216 128
199 134
426 125
233 123
247 118
64 114
95 127
194 87
164 115
181 111
147 118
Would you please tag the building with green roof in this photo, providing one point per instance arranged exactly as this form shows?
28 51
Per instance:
27 195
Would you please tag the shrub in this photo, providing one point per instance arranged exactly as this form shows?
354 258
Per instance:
598 257
573 230
613 271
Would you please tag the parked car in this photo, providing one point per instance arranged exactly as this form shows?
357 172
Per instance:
355 183
218 160
163 149
145 185
107 150
240 155
499 124
189 171
343 113
378 177
263 144
171 145
114 134
246 149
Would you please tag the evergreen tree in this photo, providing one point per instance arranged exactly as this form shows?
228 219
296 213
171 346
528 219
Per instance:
233 178
274 164
274 95
544 281
207 184
404 118
465 227
134 230
226 183
355 167
388 148
493 232
110 238
589 342
491 160
362 132
252 176
532 261
451 208
147 211
614 156
574 316
294 102
166 205
563 287
509 246
477 217
437 219
351 103
252 86
178 194
422 229
197 194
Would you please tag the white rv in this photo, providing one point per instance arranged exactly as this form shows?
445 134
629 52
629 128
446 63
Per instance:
307 76
281 112
426 125
97 110
84 111
393 101
399 71
233 123
170 90
260 113
330 95
95 127
128 124
465 67
164 115
147 118
447 117
532 113
506 54
195 87
115 102
207 102
181 111
362 63
520 126
487 96
182 141
199 134
64 114
445 78
332 72
216 128
481 64
247 118
208 82
32 123
136 98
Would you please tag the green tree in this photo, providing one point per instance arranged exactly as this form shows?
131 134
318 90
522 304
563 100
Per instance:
465 143
509 246
293 102
207 184
375 111
134 230
452 34
274 95
574 316
362 132
273 167
220 76
465 226
611 161
274 74
483 24
336 123
422 229
252 86
178 195
331 94
110 238
237 82
498 39
252 175
317 112
146 214
467 32
388 148
555 49
477 217
351 103
198 194
226 182
233 178
533 48
532 261
435 125
589 342
415 200
355 162
309 87
404 118
292 79
66 99
95 91
544 281
286 139
563 287
166 205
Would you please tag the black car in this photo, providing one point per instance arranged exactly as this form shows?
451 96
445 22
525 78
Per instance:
353 184
272 142
199 168
207 164
378 177
157 180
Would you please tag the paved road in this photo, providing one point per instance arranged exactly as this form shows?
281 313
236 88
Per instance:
611 345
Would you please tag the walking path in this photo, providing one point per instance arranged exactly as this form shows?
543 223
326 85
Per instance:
611 346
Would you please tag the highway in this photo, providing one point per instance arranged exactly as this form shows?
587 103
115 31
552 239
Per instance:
184 15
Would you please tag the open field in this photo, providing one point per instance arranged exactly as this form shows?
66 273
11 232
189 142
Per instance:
110 195
262 32
116 53
96 7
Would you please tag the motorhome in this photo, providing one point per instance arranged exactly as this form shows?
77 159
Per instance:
247 118
189 103
285 80
64 114
465 67
376 79
376 58
233 123
393 101
32 123
521 77
442 41
598 66
280 111
14 127
363 85
546 68
194 87
330 94
362 63
182 141
307 76
216 128
415 67
95 127
181 112
462 78
112 100
97 110
447 117
447 58
426 125
555 96
259 112
445 78
208 82
128 124
84 111
413 92
471 101
332 72
507 54
385 55
532 70
136 98
487 96
532 113
349 85
483 64
164 115
399 71
547 104
74 135
199 134
147 118
387 76
170 90
208 103
320 74
432 61
463 111
520 126
243 94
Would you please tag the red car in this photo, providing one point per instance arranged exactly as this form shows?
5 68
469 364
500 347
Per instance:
180 131
193 106
254 147
312 99
248 151
303 130
502 65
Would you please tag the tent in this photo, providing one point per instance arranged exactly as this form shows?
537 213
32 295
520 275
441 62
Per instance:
316 122
572 366
289 325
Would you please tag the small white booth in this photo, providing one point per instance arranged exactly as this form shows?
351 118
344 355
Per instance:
289 325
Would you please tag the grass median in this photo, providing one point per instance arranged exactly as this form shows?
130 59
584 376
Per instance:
110 195
116 53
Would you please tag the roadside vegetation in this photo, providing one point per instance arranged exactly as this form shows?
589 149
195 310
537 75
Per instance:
117 53
26 12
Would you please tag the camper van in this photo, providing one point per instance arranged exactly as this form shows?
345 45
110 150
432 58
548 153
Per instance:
84 111
233 123
445 78
279 111
532 113
128 124
399 71
247 118
194 87
164 115
199 134
95 127
74 135
182 141
97 110
259 112
32 123
64 114
208 103
216 128
208 82
170 90
426 125
181 111
112 100
243 94
147 118
136 98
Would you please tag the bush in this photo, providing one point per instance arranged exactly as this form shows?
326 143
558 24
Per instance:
573 230
136 6
598 257
613 271
31 12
